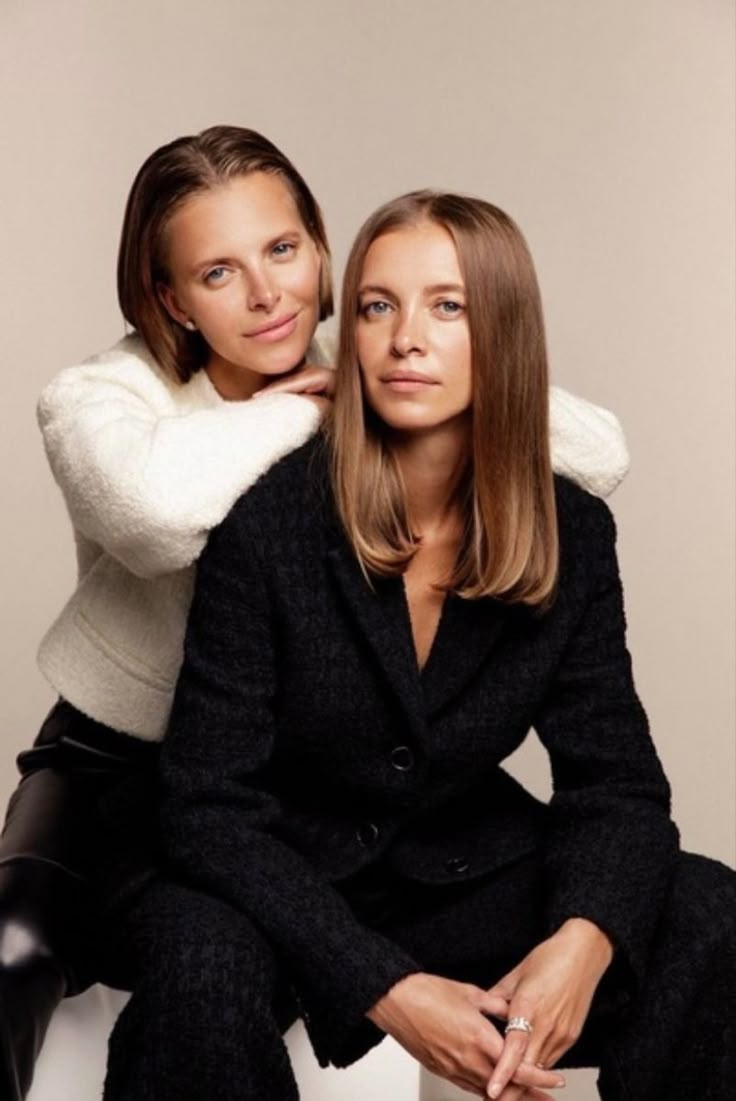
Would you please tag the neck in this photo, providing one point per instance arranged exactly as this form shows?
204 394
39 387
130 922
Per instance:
432 465
236 383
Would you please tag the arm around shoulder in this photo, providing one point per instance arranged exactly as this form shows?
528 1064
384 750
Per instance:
145 475
587 443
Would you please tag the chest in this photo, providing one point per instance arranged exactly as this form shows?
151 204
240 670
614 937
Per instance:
425 597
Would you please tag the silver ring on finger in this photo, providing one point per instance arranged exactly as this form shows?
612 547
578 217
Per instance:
518 1024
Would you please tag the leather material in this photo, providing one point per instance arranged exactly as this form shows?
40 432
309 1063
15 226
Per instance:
39 907
66 850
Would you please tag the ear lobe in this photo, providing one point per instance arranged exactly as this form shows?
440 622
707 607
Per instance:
172 307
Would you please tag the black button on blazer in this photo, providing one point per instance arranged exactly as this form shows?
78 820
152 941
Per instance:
304 742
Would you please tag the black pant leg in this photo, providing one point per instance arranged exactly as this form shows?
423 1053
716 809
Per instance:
673 1041
677 1039
202 1022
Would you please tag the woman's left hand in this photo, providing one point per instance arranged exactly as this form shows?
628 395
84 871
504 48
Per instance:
552 987
309 379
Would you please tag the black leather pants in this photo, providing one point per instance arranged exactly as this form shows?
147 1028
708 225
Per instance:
66 858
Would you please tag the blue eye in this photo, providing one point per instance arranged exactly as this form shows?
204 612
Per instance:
378 308
215 275
450 308
283 248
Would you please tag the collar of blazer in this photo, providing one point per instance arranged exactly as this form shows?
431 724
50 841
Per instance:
467 633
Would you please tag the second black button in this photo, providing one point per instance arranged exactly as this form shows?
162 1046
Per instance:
402 758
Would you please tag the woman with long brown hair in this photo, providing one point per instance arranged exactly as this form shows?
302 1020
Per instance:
223 275
374 629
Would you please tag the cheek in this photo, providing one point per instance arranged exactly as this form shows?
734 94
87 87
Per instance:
216 313
459 362
302 281
370 343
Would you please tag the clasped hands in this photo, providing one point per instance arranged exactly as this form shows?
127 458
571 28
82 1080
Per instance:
444 1024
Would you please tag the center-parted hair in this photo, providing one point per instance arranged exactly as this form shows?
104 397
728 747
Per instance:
509 548
172 174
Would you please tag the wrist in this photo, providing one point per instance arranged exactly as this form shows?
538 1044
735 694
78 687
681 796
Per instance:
589 937
384 1010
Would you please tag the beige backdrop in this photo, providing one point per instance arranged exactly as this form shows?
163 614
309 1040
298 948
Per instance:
606 128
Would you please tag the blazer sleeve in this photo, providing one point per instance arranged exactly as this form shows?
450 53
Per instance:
145 480
612 844
587 443
219 823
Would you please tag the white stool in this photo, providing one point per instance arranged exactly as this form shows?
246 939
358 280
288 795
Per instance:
71 1066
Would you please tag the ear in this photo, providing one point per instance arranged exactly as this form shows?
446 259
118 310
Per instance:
171 305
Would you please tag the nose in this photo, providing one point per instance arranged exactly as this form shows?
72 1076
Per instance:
407 338
261 293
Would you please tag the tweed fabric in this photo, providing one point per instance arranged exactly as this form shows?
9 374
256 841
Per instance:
299 687
212 999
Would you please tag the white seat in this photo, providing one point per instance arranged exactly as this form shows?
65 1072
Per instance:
71 1066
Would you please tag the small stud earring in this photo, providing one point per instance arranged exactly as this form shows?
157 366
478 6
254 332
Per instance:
190 325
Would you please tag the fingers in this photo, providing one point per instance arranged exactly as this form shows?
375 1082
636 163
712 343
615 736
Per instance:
512 1055
517 1060
506 987
523 1071
551 1041
308 380
495 1005
519 1093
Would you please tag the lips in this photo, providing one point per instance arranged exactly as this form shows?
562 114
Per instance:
278 329
407 382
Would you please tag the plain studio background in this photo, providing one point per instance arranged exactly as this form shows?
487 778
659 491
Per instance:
606 129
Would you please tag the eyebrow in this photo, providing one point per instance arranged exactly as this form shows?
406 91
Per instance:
436 288
288 234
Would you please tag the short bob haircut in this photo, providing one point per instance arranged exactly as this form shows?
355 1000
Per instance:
185 167
509 548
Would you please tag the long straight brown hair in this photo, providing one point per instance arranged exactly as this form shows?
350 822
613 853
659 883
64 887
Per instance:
173 173
509 547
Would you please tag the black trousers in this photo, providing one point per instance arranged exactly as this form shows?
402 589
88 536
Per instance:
75 850
211 1000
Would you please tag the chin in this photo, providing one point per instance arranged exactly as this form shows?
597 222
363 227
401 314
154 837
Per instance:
280 360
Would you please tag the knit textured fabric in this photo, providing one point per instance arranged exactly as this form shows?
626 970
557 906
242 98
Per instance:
300 683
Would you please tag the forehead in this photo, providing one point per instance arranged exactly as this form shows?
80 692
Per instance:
242 212
421 254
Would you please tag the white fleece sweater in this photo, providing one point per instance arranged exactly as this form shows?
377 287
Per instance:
147 467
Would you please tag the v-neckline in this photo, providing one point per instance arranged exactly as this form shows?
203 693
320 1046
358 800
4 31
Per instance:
421 669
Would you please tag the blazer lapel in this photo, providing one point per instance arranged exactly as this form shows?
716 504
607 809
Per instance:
468 631
382 616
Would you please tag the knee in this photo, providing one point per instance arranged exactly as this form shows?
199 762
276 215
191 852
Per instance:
188 934
703 901
199 946
27 950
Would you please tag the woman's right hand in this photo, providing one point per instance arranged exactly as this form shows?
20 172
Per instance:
443 1024
313 382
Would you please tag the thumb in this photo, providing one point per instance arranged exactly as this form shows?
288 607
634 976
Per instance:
494 1004
506 987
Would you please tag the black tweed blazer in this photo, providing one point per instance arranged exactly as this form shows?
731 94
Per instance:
304 742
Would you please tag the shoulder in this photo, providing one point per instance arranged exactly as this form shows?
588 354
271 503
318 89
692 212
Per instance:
586 527
577 508
287 503
126 369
